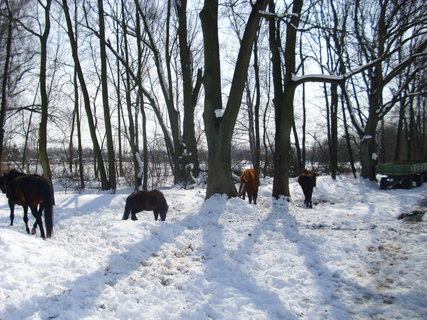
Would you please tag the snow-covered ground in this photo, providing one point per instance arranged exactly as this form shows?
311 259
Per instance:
347 258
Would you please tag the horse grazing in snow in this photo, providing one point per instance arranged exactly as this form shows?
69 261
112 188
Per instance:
139 201
307 181
249 183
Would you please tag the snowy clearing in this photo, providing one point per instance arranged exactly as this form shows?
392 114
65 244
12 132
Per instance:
347 258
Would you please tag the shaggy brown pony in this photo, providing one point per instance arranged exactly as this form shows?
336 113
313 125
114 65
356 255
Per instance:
307 181
29 191
249 183
139 201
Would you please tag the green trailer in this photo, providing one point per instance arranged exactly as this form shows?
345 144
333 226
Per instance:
402 174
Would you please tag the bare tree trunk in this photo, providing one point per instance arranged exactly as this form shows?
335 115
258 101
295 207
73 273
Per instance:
257 139
4 82
368 149
71 141
119 97
304 111
44 159
267 145
77 113
144 146
333 148
142 175
132 129
107 122
297 146
347 139
399 135
284 98
190 94
79 132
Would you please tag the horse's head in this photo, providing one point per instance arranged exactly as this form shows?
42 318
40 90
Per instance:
3 183
8 177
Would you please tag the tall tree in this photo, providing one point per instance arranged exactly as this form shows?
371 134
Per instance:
190 90
44 99
7 61
219 122
126 61
77 108
395 24
142 173
86 98
105 103
44 159
284 91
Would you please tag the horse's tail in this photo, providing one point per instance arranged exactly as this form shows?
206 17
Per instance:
127 210
48 210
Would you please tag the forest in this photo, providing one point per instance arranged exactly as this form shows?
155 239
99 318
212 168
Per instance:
147 88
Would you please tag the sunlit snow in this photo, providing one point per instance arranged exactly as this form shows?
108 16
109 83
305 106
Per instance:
347 258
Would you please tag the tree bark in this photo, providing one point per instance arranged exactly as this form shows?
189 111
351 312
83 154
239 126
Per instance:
189 95
333 148
3 109
284 98
44 159
107 116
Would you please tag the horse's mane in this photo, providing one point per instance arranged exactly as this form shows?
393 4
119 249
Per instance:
12 174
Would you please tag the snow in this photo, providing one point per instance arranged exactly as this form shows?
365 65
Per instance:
347 258
219 113
140 165
317 78
333 77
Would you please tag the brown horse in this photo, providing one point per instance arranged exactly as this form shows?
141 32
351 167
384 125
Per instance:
307 181
139 201
29 191
249 183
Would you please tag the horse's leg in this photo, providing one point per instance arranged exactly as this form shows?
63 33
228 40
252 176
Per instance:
163 216
133 215
306 197
156 215
38 216
34 229
250 197
240 189
12 211
26 218
126 212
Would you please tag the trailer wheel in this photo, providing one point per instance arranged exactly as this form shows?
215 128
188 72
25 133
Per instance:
419 180
406 183
383 184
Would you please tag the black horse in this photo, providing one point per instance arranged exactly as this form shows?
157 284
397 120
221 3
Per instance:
307 181
139 201
29 191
